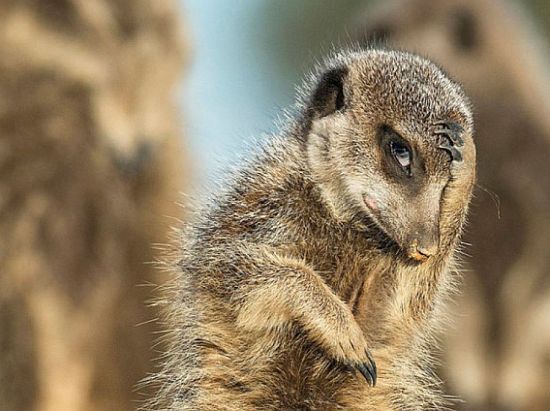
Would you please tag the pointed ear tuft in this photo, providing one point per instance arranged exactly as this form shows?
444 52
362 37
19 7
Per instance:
328 96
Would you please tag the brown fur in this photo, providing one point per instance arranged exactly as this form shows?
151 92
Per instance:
89 163
288 279
497 357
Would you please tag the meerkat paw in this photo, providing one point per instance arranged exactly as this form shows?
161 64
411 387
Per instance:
353 351
450 138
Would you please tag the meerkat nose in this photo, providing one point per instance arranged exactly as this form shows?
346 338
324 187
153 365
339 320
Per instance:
427 251
421 252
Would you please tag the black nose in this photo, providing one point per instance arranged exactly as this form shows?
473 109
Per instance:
427 250
421 252
423 245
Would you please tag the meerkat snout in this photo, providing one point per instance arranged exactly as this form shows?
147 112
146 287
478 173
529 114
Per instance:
424 246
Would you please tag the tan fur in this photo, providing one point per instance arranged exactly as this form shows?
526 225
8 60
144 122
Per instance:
494 357
288 280
90 164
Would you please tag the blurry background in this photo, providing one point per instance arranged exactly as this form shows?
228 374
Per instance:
249 55
109 109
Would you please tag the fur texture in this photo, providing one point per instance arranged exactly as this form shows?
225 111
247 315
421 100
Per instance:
304 269
502 320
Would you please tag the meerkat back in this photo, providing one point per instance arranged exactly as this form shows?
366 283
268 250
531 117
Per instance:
501 322
315 280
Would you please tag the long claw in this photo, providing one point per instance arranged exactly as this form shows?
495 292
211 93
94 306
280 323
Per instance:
373 367
450 125
368 369
367 373
449 136
453 136
456 155
452 130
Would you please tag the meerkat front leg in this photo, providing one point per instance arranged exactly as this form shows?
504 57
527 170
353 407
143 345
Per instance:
289 290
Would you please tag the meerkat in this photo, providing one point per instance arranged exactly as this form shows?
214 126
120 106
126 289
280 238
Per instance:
313 282
90 163
501 321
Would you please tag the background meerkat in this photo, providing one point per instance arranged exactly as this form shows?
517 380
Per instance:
90 162
329 253
497 358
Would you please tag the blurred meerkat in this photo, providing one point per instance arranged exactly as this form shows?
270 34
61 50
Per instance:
314 281
498 357
90 162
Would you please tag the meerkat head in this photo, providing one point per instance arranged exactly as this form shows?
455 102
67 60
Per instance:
390 137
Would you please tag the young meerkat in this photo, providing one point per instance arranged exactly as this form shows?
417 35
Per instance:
327 256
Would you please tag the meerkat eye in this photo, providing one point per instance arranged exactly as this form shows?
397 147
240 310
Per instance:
402 154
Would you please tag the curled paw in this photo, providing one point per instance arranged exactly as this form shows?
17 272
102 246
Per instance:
354 353
450 138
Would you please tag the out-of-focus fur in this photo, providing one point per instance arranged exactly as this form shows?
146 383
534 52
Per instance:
285 281
499 355
90 165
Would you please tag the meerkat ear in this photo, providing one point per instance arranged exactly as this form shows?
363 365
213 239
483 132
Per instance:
328 96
